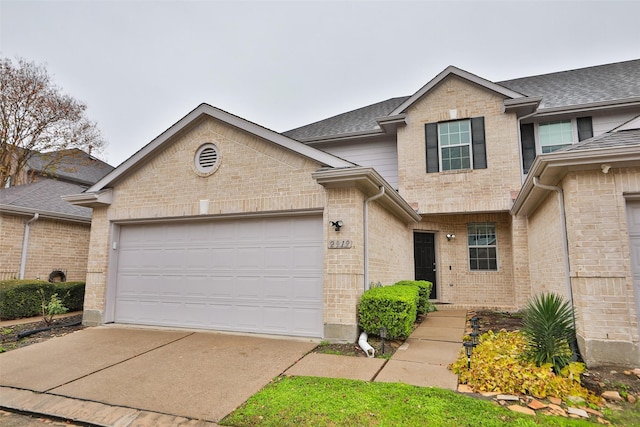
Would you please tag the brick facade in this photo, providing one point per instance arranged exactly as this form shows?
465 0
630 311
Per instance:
53 245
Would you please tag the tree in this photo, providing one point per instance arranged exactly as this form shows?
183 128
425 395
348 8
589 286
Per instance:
36 118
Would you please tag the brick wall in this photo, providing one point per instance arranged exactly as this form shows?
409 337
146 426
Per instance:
601 273
477 190
53 245
456 283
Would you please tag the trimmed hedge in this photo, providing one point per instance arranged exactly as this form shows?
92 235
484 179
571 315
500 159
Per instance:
19 298
424 290
394 307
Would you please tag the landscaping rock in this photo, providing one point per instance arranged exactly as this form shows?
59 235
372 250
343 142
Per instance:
576 400
593 412
631 398
463 388
522 409
612 395
603 421
508 397
536 404
577 411
626 372
555 400
557 410
489 393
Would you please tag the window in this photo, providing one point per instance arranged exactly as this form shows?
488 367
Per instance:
555 135
483 249
455 145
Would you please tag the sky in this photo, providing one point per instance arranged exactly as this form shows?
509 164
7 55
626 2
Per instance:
141 65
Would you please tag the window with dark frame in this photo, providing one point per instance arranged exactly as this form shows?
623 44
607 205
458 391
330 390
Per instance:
483 247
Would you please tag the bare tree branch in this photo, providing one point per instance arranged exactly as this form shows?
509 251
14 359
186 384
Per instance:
36 117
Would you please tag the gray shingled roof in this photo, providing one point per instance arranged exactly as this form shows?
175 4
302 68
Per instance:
44 196
622 138
360 120
601 83
76 166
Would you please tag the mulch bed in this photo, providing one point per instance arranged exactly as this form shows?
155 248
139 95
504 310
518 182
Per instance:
10 335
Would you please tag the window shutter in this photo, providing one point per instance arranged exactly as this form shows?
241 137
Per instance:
478 142
431 138
585 128
528 142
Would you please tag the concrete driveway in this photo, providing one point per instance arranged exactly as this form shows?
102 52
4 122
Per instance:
198 375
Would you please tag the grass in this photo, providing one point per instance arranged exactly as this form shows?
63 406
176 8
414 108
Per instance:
301 401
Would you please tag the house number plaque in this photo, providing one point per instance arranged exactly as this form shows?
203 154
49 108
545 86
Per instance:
339 244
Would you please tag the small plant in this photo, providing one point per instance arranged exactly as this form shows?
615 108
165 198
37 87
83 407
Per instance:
548 329
50 307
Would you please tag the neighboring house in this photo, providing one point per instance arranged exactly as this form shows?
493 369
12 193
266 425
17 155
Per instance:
44 237
222 224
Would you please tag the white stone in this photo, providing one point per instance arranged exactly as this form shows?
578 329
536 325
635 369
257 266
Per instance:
577 411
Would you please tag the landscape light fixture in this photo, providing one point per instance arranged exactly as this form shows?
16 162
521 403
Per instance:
468 349
383 335
475 322
474 338
336 224
451 236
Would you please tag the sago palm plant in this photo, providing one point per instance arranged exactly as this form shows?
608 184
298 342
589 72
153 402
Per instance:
548 328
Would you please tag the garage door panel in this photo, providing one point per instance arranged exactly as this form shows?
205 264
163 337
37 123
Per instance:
259 275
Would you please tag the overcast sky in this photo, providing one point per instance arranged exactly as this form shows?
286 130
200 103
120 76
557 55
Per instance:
142 65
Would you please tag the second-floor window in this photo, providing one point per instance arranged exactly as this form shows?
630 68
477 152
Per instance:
455 145
555 135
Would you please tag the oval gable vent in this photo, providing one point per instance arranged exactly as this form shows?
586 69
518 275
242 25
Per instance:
207 158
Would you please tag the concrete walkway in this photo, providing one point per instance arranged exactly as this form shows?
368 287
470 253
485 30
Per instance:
422 360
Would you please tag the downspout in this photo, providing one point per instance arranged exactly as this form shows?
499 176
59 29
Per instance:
366 235
25 244
563 225
565 250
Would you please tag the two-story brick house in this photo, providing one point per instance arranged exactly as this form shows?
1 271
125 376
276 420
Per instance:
222 224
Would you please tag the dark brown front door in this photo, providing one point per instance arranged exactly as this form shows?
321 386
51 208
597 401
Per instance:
424 251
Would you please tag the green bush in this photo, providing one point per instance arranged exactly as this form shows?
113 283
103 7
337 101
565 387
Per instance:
19 298
424 291
394 307
548 328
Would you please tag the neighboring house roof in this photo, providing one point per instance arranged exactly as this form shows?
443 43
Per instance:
70 165
622 138
92 195
356 121
43 197
591 85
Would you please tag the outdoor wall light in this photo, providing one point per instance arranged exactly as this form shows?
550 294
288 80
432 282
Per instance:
468 349
336 224
451 236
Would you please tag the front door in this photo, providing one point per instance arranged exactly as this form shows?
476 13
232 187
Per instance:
424 254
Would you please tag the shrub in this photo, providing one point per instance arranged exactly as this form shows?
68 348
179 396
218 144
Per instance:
497 365
548 329
424 291
19 298
394 307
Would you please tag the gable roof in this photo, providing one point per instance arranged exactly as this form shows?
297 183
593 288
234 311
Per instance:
449 71
206 110
359 121
602 83
43 197
608 84
70 165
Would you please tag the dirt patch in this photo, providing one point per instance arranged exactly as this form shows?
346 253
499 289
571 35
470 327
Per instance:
10 337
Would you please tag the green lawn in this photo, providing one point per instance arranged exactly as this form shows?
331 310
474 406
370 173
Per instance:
311 401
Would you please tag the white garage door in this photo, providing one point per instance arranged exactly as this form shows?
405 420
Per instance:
633 221
254 275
